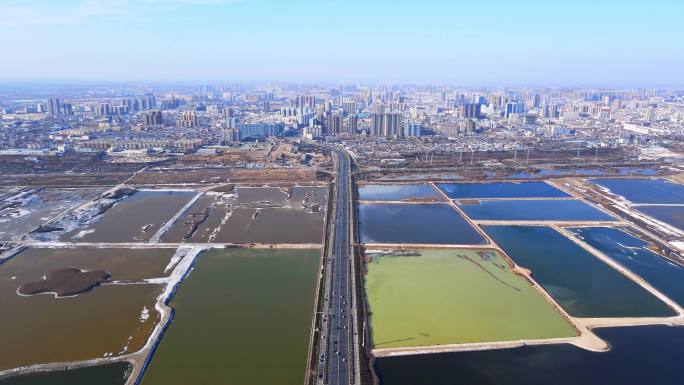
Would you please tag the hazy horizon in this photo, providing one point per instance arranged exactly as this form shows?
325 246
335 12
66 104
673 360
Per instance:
79 83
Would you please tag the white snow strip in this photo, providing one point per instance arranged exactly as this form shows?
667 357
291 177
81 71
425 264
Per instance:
157 236
180 253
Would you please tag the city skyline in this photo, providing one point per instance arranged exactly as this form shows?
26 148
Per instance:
492 43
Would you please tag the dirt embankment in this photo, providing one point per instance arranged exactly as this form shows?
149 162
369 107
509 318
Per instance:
209 176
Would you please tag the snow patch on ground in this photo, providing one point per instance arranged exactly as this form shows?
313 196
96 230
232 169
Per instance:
679 245
144 314
83 233
177 256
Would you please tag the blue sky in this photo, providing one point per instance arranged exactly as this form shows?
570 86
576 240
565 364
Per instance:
478 42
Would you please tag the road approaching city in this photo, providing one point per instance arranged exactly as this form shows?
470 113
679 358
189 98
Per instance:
337 364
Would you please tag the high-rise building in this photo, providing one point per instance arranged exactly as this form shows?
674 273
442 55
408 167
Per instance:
397 106
128 103
352 124
604 114
304 117
143 103
67 109
170 104
308 101
349 107
54 106
213 109
550 111
313 131
386 124
259 130
651 114
470 126
103 109
288 111
118 110
149 101
514 108
472 110
412 130
335 124
153 118
536 101
393 126
229 135
188 119
377 121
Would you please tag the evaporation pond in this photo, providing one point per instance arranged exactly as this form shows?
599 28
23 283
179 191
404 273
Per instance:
632 253
638 190
396 192
581 283
415 224
272 225
243 316
436 297
123 264
25 210
270 195
672 215
109 319
258 215
638 356
135 218
106 374
534 210
501 190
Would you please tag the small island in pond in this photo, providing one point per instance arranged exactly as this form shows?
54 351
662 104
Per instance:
65 282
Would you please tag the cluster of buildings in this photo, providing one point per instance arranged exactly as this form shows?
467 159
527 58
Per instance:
484 119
